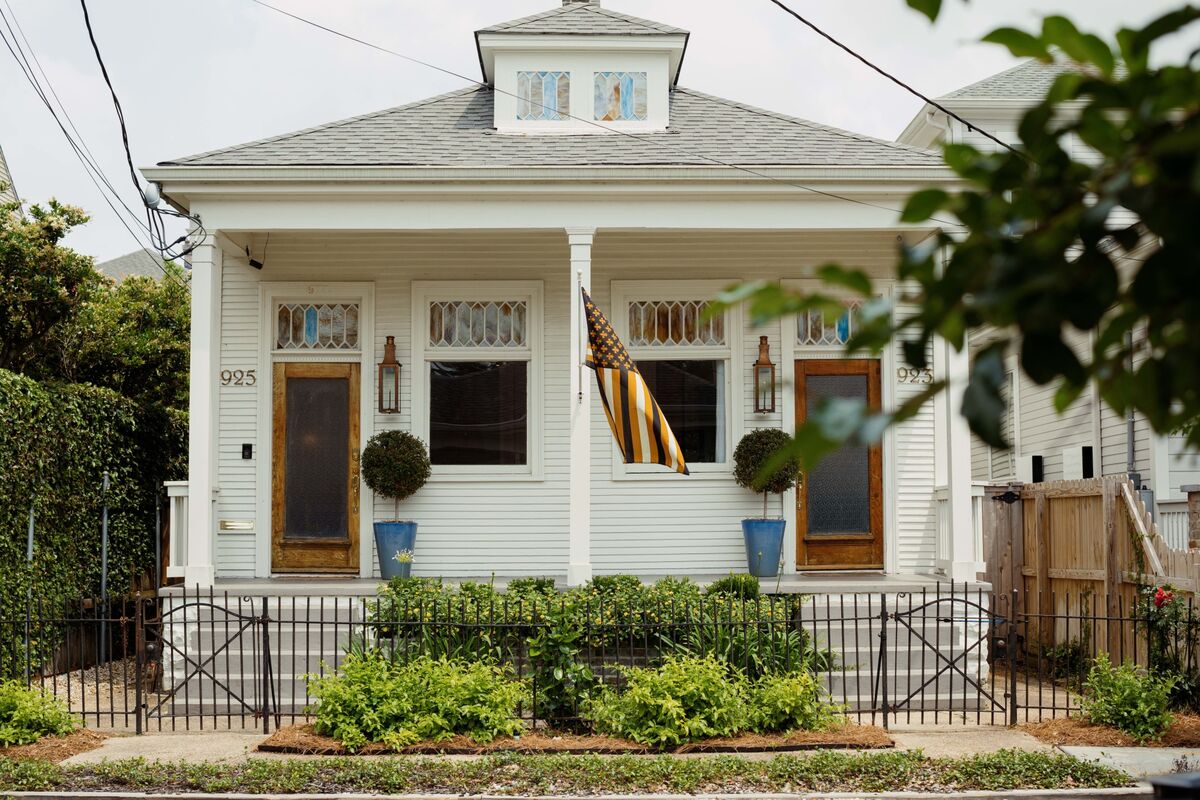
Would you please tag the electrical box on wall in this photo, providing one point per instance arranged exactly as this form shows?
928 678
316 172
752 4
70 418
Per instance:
1030 469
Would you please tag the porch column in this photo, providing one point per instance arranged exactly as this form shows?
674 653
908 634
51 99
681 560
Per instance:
961 561
202 411
579 559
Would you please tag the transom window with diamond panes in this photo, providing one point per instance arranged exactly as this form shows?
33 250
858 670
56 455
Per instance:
620 96
316 326
543 95
674 322
816 329
478 323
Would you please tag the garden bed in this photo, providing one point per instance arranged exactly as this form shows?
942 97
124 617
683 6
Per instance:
1183 732
56 748
302 740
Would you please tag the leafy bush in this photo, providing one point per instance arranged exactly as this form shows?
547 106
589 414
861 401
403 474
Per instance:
27 715
754 456
525 587
785 703
686 699
743 586
395 464
561 683
1127 698
374 699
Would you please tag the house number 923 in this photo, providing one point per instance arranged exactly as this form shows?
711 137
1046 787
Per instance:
914 375
238 377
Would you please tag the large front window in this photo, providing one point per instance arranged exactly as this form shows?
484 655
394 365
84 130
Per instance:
685 356
477 346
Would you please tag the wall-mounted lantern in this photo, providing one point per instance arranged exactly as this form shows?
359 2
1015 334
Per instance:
389 379
764 379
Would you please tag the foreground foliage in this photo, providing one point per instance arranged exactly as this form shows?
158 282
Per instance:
27 715
546 775
373 699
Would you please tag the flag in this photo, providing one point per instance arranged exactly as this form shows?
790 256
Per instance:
637 422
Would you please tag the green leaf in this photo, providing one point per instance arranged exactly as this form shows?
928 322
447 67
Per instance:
924 204
983 404
1020 43
930 8
1083 48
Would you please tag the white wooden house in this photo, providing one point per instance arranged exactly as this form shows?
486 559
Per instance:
461 227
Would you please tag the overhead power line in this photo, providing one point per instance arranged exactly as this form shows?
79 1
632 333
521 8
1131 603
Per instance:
893 78
593 123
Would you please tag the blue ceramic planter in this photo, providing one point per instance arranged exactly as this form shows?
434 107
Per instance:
391 538
764 544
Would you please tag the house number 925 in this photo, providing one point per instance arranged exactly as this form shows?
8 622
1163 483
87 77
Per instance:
238 377
914 375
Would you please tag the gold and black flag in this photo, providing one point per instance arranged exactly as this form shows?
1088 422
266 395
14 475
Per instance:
637 422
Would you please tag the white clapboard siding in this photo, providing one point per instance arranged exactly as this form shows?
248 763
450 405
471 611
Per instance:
914 464
1184 462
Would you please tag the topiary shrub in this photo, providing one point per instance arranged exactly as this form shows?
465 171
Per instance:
395 464
1127 698
752 457
27 715
685 699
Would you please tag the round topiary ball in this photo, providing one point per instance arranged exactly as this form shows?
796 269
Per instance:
395 464
751 456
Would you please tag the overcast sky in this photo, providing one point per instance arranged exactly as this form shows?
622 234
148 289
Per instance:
195 75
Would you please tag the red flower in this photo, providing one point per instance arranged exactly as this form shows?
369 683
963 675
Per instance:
1162 596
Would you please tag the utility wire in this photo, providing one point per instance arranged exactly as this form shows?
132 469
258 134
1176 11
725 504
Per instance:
894 79
593 123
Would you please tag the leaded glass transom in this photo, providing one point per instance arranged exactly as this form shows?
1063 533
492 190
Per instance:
620 96
316 326
478 323
543 95
814 329
655 323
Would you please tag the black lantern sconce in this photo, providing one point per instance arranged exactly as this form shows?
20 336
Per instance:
764 379
389 379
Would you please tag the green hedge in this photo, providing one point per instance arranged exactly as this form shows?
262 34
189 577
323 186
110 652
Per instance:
56 442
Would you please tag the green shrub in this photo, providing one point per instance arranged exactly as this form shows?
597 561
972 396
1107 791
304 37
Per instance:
374 699
532 587
27 715
755 454
395 464
743 586
685 699
1127 698
785 703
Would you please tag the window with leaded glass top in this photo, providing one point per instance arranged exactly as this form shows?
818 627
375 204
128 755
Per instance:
815 329
478 323
316 326
543 95
620 96
674 322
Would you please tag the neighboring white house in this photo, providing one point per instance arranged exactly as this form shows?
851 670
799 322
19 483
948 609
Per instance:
1088 439
462 226
8 192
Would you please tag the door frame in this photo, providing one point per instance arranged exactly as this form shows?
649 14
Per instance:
270 294
873 370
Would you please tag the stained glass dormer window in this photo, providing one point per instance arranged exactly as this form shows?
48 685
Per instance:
316 326
543 95
620 96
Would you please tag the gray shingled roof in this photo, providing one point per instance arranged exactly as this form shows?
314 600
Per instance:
582 18
456 129
139 262
1027 80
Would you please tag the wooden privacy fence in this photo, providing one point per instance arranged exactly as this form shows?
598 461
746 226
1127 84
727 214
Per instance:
1079 549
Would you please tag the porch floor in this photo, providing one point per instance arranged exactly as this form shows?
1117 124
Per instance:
800 583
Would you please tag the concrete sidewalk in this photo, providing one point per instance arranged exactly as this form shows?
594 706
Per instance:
226 746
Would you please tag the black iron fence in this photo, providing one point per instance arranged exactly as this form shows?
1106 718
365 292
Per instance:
200 660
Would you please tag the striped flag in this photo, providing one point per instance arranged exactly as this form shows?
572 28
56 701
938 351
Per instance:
637 422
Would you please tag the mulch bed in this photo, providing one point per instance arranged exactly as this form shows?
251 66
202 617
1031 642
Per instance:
1183 732
56 748
302 740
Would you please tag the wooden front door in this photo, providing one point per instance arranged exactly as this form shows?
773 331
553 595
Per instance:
314 458
839 505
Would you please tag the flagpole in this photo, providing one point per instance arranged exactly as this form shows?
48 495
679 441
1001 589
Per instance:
582 331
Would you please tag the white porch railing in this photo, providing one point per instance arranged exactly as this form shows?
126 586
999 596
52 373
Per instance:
941 517
1173 524
177 496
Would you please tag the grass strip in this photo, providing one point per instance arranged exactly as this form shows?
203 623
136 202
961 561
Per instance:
823 771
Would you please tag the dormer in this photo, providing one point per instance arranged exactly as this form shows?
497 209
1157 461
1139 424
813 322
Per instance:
579 69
